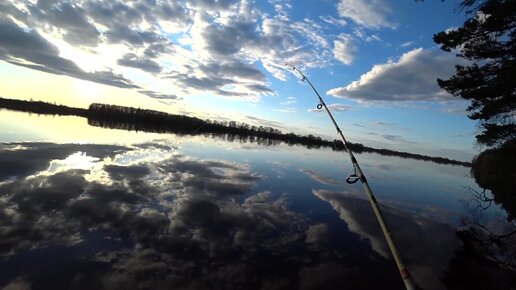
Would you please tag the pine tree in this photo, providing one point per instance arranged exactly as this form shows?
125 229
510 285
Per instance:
487 40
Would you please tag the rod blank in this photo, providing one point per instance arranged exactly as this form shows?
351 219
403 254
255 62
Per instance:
407 280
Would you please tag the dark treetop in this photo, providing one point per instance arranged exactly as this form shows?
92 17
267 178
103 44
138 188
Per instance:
488 41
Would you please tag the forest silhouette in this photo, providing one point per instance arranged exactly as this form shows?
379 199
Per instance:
136 119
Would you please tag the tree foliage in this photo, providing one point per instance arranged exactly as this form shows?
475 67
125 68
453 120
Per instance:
487 40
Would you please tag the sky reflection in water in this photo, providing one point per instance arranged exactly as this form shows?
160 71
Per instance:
197 213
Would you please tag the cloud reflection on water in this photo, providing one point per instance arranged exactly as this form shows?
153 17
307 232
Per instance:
147 216
135 222
317 176
426 256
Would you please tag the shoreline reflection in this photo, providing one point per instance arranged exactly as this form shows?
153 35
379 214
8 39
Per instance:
159 224
156 216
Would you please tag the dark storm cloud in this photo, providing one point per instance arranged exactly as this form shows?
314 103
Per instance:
143 63
30 49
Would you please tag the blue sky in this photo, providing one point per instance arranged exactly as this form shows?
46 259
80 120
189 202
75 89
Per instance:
373 61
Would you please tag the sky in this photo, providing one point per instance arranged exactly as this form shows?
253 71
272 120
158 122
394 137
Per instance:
373 61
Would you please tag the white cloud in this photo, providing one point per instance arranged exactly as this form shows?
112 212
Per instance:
361 33
381 123
333 108
282 8
368 13
458 107
396 139
319 177
287 110
289 101
435 244
333 21
373 37
344 49
216 47
287 106
411 78
312 31
407 44
281 41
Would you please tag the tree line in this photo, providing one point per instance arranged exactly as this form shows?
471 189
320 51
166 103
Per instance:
137 119
39 107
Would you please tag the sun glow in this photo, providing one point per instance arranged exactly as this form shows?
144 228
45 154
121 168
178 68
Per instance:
87 89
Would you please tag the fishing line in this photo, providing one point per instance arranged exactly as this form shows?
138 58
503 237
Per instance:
359 175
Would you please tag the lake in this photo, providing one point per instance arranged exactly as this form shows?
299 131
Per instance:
83 207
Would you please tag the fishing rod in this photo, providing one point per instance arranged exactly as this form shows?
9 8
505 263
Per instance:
359 175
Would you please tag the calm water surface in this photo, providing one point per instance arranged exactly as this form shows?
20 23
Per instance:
90 208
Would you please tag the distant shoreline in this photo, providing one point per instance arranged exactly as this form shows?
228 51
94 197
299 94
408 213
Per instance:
135 119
